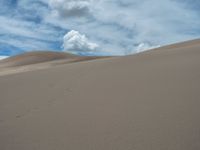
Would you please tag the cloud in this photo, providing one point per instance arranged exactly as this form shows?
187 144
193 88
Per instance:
27 36
3 57
76 43
70 8
119 27
144 47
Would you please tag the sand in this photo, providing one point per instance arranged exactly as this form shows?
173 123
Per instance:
34 58
147 101
38 60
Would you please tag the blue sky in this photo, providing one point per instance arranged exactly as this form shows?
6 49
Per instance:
96 27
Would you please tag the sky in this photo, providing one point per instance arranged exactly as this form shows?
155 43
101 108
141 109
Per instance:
96 27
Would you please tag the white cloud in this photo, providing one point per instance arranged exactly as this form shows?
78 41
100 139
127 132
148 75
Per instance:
144 47
75 42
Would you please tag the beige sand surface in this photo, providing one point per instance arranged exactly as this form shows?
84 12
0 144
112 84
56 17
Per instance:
148 101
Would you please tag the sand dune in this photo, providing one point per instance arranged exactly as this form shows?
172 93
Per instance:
38 60
38 57
147 101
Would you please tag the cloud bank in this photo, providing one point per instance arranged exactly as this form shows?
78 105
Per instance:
115 27
129 26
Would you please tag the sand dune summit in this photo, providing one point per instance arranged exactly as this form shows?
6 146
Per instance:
147 101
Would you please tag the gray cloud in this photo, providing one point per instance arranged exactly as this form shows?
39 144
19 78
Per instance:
70 8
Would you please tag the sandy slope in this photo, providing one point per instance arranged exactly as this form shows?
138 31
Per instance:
148 101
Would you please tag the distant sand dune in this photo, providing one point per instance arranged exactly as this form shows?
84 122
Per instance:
37 57
38 60
147 101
